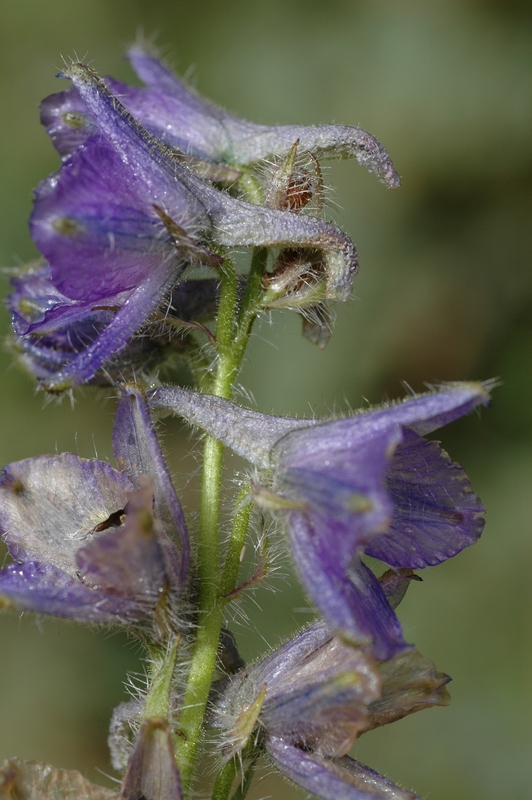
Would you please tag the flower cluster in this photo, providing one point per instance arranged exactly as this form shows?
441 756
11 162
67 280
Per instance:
154 182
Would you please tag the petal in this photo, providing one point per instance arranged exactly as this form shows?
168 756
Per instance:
152 773
436 513
338 779
142 301
129 559
341 487
352 602
92 213
194 205
44 589
137 451
65 117
211 132
52 505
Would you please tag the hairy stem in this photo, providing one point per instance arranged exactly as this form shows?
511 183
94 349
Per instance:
232 334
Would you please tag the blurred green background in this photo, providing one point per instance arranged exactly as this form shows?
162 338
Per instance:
444 293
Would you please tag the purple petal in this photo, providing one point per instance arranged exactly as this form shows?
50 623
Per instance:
341 488
137 451
66 120
93 214
44 589
338 779
353 603
144 299
436 514
51 505
152 773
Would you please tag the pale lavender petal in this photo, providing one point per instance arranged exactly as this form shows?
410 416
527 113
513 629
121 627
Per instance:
51 505
436 514
332 779
137 451
128 558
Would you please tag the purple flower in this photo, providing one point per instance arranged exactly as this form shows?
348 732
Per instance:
368 483
124 215
51 330
307 702
182 119
93 544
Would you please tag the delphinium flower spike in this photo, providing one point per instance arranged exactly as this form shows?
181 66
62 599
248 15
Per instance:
368 483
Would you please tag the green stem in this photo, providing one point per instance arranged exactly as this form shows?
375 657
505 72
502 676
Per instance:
224 781
232 335
236 544
162 666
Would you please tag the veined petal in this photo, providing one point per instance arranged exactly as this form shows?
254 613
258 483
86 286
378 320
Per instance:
436 514
332 779
138 452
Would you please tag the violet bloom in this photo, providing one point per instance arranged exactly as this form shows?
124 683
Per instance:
51 330
368 483
124 215
306 703
93 544
182 119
